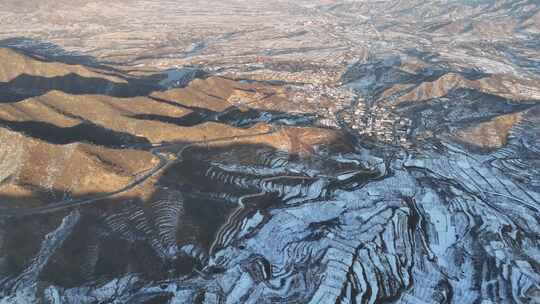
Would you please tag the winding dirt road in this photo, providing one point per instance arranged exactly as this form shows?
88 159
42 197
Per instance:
164 162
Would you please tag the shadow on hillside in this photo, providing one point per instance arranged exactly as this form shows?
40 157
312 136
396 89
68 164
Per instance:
50 52
374 78
167 234
86 132
458 109
26 86
232 116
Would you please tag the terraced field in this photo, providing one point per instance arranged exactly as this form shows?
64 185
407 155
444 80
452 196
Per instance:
269 152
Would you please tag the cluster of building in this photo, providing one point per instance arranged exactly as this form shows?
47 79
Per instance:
380 123
333 105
